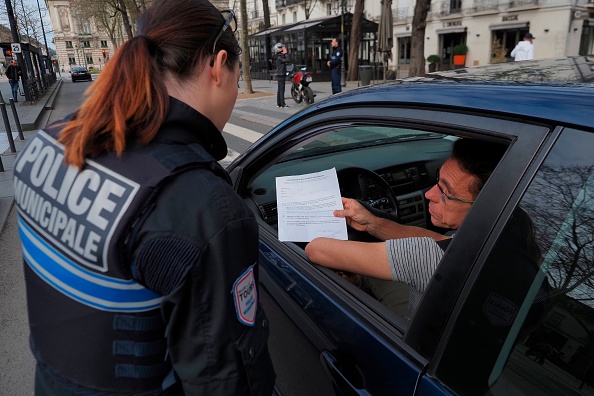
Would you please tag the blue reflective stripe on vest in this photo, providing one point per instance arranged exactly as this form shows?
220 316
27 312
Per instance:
87 287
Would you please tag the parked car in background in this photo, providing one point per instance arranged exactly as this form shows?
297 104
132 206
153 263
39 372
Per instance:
79 73
474 331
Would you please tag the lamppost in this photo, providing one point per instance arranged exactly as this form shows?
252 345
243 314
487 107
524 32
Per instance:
345 6
49 59
77 54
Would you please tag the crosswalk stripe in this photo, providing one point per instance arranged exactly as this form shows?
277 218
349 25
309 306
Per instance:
242 133
231 155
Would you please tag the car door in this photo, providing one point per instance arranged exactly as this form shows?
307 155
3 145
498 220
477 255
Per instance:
340 337
509 338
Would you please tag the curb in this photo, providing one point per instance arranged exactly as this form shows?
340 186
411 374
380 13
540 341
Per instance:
49 104
6 203
5 208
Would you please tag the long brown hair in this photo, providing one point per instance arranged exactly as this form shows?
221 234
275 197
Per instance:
130 96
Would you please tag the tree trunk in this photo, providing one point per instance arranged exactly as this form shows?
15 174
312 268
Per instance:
355 41
417 51
124 11
266 10
245 55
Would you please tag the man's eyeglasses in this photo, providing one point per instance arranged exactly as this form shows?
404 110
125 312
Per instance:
444 195
230 23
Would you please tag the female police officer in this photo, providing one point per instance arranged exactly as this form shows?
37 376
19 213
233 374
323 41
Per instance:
140 259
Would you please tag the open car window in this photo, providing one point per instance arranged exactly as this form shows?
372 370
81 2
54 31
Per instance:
388 168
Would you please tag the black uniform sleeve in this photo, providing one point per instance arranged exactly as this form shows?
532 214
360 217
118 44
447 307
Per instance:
199 241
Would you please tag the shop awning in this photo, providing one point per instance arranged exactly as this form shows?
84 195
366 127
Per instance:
457 29
265 32
505 26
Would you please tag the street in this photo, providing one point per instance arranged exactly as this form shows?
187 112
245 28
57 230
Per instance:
252 117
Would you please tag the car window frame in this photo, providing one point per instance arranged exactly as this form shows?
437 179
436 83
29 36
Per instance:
525 135
533 151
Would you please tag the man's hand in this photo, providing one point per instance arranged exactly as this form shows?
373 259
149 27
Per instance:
355 214
328 63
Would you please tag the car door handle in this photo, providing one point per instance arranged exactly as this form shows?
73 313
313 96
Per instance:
340 380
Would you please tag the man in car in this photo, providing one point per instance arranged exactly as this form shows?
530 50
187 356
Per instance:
411 254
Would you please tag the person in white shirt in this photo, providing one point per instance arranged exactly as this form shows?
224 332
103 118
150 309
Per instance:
525 49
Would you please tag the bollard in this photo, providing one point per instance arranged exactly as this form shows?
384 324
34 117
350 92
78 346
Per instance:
7 126
16 119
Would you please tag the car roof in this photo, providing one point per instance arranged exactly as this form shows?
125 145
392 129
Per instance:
566 99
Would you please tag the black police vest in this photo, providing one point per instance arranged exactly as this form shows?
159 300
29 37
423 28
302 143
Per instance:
90 322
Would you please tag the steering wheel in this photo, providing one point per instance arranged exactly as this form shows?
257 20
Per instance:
373 192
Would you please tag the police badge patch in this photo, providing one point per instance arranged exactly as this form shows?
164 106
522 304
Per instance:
245 296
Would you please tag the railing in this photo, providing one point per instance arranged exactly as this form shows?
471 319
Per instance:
485 5
32 90
519 3
401 14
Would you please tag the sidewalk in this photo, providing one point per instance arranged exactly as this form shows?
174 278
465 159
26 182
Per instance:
30 116
322 89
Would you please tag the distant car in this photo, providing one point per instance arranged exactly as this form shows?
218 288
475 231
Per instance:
79 73
473 326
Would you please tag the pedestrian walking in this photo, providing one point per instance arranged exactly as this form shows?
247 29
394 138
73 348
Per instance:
281 58
141 261
525 49
13 73
334 64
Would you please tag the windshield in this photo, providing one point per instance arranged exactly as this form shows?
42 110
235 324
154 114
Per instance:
360 136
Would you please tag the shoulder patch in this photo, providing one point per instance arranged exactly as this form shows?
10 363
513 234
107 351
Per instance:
245 295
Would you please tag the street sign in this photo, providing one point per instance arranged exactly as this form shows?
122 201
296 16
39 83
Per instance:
16 48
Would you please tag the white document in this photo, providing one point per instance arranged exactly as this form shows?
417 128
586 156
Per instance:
305 205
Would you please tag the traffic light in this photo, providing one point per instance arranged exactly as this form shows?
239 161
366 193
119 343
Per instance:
104 54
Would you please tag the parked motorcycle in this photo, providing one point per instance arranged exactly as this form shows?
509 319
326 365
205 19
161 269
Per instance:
300 89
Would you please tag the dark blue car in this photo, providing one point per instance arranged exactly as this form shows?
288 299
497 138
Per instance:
474 331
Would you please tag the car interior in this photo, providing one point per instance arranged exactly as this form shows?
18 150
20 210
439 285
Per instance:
386 168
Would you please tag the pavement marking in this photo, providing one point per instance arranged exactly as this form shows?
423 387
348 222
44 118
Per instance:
4 145
258 118
242 133
231 155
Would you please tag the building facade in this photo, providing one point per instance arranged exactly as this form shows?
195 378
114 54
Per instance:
492 28
489 28
78 41
81 41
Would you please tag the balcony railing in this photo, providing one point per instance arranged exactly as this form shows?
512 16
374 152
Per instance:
485 5
445 8
520 3
286 3
400 14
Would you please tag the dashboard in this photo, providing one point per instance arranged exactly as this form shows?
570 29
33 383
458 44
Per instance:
408 169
